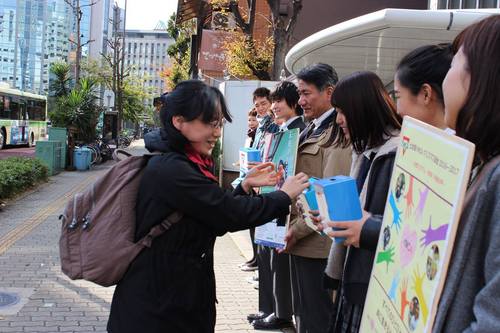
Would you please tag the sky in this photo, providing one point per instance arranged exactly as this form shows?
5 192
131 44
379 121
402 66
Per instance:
145 14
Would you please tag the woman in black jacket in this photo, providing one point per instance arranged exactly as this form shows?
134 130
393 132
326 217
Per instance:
370 125
170 287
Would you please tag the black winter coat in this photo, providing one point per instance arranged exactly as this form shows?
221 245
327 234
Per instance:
359 261
170 287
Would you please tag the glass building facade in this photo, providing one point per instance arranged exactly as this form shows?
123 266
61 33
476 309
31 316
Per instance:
33 35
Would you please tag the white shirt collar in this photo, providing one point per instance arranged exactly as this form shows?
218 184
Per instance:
318 121
369 152
285 125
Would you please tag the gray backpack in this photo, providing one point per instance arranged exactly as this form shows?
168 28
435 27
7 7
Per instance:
98 225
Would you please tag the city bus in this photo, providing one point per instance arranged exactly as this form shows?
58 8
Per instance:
23 117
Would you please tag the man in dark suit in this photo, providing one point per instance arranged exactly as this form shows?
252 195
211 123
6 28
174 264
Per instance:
275 290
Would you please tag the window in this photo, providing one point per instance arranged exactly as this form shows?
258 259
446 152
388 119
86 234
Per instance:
466 4
36 110
487 4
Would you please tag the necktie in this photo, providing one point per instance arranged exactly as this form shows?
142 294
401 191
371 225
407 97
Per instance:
307 132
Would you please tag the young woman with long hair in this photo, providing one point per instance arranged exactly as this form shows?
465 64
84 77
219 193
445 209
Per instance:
369 124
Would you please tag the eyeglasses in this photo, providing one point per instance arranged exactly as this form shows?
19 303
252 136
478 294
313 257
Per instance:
217 123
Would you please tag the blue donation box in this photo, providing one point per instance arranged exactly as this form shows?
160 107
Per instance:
338 199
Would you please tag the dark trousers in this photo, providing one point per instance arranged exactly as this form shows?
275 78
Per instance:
254 246
266 299
312 304
282 289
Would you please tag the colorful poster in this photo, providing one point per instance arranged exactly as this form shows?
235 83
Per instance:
282 151
427 188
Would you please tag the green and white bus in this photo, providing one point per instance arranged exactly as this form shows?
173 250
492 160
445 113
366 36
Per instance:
23 117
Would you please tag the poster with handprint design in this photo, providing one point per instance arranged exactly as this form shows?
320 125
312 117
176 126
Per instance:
427 188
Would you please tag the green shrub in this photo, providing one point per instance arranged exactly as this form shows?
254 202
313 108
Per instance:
20 173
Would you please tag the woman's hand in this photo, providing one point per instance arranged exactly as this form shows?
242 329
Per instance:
294 185
351 229
261 174
290 241
316 219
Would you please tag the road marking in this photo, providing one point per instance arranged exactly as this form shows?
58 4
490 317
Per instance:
26 227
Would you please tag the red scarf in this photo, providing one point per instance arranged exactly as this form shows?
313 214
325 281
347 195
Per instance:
205 164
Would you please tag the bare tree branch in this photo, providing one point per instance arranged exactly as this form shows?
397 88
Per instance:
89 5
297 7
88 42
240 22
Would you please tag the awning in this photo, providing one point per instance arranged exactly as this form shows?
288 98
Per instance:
188 9
377 41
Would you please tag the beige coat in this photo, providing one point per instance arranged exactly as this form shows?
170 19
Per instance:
320 162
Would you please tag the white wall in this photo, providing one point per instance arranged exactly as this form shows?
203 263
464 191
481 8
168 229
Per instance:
238 96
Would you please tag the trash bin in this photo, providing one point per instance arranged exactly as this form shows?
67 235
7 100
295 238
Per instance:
81 159
50 153
60 134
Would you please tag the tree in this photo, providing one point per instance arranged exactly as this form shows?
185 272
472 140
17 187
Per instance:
282 32
76 108
133 91
178 53
78 14
282 26
60 84
246 58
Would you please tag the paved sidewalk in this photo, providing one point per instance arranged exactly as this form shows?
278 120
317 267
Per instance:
29 261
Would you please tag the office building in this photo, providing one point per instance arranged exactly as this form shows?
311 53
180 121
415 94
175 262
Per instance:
146 54
36 33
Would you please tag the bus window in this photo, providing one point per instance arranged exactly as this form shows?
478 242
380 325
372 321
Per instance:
42 109
14 109
3 112
36 110
5 107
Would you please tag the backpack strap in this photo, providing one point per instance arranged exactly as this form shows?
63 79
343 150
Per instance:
161 228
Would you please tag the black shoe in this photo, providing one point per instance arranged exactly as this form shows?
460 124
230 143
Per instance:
256 316
271 322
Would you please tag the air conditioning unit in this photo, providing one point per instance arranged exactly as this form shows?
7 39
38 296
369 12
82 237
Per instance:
223 21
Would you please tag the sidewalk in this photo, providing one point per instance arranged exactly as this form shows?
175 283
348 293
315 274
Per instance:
50 302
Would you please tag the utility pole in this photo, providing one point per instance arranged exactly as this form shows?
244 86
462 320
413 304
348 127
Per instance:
117 62
122 72
78 15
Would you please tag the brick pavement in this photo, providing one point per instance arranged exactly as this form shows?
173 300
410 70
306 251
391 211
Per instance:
29 258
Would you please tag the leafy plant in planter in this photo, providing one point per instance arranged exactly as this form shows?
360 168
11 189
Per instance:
78 111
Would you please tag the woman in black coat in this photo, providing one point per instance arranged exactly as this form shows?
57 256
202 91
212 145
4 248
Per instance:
170 287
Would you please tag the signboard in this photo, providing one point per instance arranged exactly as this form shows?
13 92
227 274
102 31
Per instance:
282 152
426 193
212 53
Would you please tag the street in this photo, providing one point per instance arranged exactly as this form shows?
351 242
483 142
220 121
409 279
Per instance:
11 151
51 302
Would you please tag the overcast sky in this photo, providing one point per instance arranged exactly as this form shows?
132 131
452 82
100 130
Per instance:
145 14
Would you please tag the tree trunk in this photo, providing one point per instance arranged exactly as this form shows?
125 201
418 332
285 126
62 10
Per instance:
280 48
282 33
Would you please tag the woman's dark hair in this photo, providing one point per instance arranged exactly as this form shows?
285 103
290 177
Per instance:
479 119
369 110
321 75
426 64
191 99
288 91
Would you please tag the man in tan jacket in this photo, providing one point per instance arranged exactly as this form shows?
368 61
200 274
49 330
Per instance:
312 304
